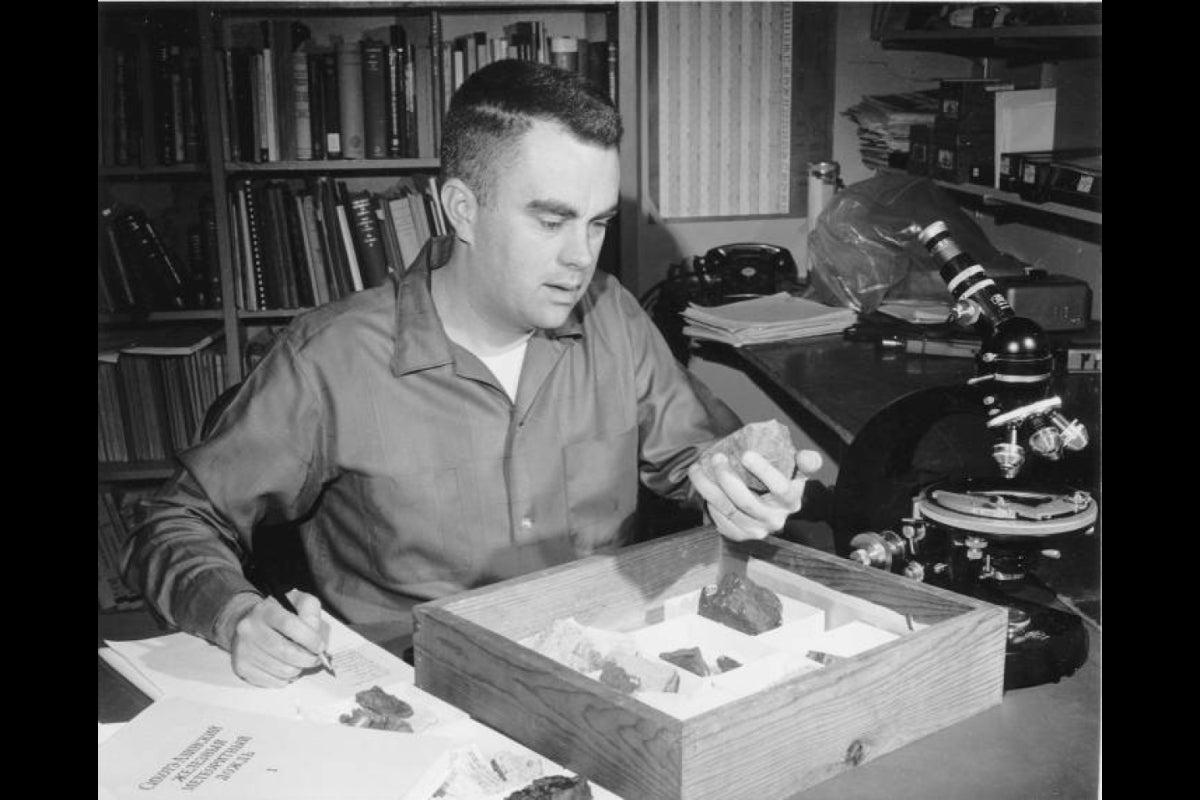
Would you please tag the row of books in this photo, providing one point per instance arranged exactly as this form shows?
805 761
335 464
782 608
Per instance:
287 97
115 519
153 389
139 270
302 243
151 100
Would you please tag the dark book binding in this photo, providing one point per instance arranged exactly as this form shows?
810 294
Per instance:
374 100
316 105
331 105
399 106
143 252
368 239
254 237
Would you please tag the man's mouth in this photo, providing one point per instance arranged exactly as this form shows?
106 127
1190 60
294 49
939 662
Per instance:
565 288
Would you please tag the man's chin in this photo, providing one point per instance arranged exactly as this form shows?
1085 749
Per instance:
554 316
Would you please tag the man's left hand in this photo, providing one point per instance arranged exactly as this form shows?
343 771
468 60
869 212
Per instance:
740 513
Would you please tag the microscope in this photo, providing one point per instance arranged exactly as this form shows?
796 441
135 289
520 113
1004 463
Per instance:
970 487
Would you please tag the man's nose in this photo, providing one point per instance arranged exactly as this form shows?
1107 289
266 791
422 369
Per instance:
577 250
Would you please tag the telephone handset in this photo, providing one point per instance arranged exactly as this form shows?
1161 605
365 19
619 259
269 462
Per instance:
745 269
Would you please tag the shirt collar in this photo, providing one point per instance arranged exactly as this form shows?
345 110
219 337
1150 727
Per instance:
419 341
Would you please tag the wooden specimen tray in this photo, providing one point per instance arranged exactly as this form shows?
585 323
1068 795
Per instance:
940 660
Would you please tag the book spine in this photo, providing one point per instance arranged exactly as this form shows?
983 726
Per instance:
375 99
368 239
212 261
243 263
316 102
197 270
350 99
164 116
331 105
347 238
424 103
166 264
254 237
436 78
242 117
330 231
178 106
302 123
285 108
262 149
120 277
270 116
406 235
223 94
158 275
281 290
121 112
312 247
391 244
420 215
397 67
298 255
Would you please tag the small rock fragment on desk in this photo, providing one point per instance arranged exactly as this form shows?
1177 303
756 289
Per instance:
554 787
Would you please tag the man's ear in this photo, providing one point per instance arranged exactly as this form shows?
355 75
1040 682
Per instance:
461 207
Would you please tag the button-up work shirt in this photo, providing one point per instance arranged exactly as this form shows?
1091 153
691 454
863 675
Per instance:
410 472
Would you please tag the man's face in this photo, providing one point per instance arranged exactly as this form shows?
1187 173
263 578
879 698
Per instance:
538 236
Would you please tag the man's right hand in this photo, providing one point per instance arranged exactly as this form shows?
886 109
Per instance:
271 646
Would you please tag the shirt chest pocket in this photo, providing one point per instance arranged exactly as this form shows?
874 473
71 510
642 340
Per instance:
417 525
601 487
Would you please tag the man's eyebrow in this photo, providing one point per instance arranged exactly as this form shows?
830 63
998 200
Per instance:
564 210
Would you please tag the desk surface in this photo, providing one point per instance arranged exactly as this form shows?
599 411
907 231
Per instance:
1043 741
843 384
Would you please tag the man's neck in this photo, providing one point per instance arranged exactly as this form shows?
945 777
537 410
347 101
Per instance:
463 325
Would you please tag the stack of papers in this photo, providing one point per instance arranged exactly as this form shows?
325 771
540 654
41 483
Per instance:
884 122
210 734
765 319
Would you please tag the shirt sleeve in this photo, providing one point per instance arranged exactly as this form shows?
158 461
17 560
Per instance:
262 462
678 416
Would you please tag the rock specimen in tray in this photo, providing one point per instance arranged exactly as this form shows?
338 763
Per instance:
379 710
629 672
770 439
554 787
576 646
688 658
725 663
741 604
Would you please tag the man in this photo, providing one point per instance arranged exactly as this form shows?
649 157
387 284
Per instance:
486 414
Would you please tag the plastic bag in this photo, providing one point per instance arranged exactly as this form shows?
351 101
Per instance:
863 249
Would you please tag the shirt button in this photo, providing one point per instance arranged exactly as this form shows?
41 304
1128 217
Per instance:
526 524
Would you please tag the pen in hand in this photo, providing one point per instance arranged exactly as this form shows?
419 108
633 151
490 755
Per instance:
326 661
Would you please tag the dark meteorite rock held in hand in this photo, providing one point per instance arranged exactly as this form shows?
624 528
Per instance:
771 439
741 604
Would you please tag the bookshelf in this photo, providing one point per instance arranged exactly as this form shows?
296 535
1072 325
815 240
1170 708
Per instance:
207 32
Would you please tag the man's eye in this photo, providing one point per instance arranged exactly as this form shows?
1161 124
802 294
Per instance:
551 223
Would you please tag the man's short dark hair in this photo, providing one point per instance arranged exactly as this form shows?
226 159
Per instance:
497 104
